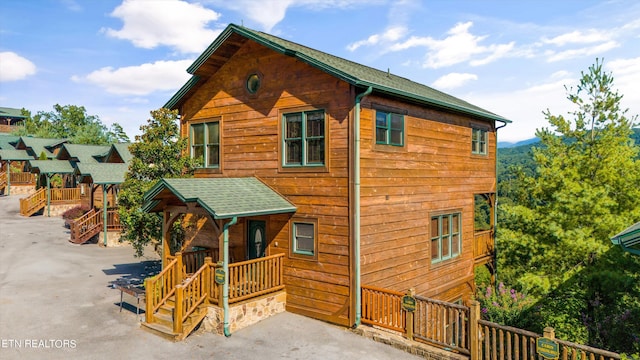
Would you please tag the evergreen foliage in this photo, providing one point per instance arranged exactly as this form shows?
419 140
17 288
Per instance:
157 153
581 188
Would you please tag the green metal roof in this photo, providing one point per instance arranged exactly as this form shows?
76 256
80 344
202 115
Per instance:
8 142
103 173
629 239
223 198
14 155
51 166
6 112
84 153
356 74
123 150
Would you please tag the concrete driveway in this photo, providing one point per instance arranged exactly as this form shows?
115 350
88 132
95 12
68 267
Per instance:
56 303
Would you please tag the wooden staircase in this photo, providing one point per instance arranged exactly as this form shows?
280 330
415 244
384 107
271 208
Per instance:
3 182
33 203
176 304
86 227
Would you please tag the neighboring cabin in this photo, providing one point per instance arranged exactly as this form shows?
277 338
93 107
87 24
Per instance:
391 208
10 119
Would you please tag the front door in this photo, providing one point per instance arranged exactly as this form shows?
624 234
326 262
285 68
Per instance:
257 239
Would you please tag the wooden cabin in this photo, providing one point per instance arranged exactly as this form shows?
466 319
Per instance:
11 119
383 173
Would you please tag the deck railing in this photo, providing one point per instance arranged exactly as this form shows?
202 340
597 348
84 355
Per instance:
33 201
160 288
113 220
383 308
255 277
191 294
9 128
483 244
442 323
22 178
193 260
65 195
3 179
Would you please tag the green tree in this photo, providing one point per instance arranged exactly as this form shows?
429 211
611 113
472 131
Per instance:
583 191
71 122
157 153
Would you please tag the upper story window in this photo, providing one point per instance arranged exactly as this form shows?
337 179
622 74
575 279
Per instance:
205 144
389 128
304 138
478 141
446 238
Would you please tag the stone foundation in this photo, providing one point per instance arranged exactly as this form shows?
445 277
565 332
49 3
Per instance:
113 239
56 210
21 190
246 313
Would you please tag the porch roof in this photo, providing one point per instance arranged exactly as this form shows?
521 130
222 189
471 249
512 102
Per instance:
629 239
223 198
14 155
51 166
103 173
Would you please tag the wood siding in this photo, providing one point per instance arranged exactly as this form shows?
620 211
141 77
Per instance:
250 146
402 187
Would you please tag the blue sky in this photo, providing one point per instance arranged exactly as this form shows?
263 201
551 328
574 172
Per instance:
121 59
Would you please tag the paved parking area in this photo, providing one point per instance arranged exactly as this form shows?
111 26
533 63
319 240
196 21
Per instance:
56 302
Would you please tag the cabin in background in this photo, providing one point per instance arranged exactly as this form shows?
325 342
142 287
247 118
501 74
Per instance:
384 174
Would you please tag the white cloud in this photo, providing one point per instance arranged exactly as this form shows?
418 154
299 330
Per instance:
15 67
174 23
578 37
268 13
553 56
453 80
393 33
458 47
626 76
140 80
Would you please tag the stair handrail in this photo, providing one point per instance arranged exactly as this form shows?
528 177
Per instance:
191 293
159 288
85 224
33 201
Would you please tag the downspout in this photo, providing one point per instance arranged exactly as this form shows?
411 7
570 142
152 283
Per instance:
495 216
225 268
356 202
104 213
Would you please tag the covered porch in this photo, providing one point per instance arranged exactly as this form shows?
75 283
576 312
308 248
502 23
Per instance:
221 261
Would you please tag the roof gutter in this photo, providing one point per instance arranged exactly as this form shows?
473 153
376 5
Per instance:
495 212
356 202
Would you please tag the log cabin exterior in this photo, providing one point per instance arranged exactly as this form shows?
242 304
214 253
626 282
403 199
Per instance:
382 171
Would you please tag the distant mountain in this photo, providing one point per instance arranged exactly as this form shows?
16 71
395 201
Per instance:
506 144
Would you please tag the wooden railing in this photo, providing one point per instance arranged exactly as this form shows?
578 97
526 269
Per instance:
383 308
22 178
113 220
86 225
8 128
193 260
255 277
3 179
65 195
483 244
505 342
161 287
191 294
33 202
442 323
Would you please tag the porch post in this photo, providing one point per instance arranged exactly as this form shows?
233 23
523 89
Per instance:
104 210
225 267
8 177
165 245
48 195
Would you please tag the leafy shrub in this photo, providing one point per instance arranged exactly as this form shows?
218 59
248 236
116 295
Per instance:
503 305
74 213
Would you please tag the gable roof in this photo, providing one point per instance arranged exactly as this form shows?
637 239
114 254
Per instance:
355 74
103 173
629 239
8 141
121 149
51 166
83 153
223 198
14 155
6 112
39 145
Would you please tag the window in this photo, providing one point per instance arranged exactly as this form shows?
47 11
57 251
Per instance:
304 141
304 238
478 141
389 128
205 144
445 236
